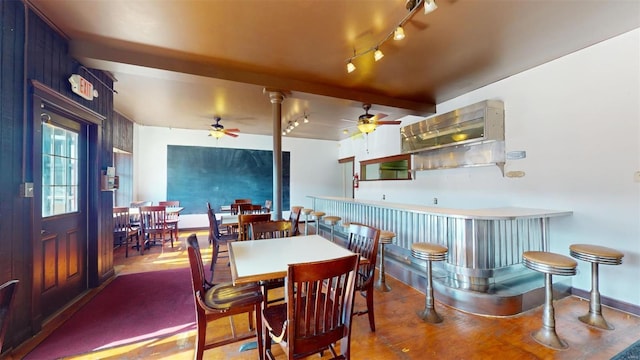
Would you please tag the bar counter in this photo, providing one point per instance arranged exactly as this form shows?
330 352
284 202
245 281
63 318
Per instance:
483 264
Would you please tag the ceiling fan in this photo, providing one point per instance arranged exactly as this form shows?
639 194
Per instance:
218 131
367 123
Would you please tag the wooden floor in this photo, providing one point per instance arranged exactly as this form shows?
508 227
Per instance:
400 334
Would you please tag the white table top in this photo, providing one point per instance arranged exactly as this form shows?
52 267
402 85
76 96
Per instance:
226 219
255 260
168 209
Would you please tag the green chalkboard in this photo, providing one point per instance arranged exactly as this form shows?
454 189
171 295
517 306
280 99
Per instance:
198 174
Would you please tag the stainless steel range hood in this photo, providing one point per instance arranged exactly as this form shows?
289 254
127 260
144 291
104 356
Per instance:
469 136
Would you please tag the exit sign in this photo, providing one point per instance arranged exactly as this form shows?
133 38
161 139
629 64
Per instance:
82 87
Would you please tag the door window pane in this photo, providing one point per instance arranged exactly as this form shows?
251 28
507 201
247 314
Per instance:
59 170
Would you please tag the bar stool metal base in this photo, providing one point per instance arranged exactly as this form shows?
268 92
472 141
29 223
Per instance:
430 315
549 337
381 284
596 320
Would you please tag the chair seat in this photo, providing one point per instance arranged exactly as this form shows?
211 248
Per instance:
274 318
225 296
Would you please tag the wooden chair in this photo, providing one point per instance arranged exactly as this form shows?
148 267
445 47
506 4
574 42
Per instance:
135 219
172 218
220 301
123 232
294 217
267 206
318 310
7 295
364 240
216 238
242 201
153 223
270 229
243 224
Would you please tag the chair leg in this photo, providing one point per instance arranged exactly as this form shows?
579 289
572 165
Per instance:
372 320
201 337
547 335
594 317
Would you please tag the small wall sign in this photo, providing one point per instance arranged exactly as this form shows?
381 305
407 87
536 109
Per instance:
82 87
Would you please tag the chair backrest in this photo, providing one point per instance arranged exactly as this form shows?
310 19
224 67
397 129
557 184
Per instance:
121 220
320 305
7 294
242 201
246 208
234 209
213 224
363 239
294 218
243 224
152 218
169 203
196 266
270 229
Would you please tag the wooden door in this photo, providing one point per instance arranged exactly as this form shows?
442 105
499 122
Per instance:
61 250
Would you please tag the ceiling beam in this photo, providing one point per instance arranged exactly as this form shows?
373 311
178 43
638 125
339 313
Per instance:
99 53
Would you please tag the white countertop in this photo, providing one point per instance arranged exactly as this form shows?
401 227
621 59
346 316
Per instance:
501 213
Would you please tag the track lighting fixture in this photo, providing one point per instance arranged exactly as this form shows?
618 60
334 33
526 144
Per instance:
292 124
397 33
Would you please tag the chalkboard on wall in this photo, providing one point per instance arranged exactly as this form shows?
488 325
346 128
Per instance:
198 174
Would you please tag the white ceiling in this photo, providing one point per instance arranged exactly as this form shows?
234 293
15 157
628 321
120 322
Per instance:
179 63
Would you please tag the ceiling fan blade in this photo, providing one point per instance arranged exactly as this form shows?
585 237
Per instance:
378 116
232 130
389 122
231 134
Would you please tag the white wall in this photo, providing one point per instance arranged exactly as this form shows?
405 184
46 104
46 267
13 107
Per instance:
578 119
314 164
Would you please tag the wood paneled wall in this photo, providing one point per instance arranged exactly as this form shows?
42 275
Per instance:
25 36
122 133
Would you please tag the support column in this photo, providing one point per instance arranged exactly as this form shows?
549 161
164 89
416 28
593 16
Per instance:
276 97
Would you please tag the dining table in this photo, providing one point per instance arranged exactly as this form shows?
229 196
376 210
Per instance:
269 259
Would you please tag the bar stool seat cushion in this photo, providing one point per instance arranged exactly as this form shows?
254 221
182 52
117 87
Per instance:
428 251
548 262
318 214
307 211
596 253
386 237
332 220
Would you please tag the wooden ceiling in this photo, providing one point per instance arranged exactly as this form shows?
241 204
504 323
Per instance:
179 63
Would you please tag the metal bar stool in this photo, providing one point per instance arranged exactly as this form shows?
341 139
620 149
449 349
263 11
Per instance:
595 255
549 264
317 216
386 237
306 213
429 252
332 221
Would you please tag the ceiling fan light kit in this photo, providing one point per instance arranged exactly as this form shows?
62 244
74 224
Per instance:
396 34
218 131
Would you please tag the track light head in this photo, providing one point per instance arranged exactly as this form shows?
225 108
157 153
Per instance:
398 34
377 55
350 67
429 6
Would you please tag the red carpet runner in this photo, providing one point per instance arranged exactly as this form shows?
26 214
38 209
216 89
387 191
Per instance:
131 308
